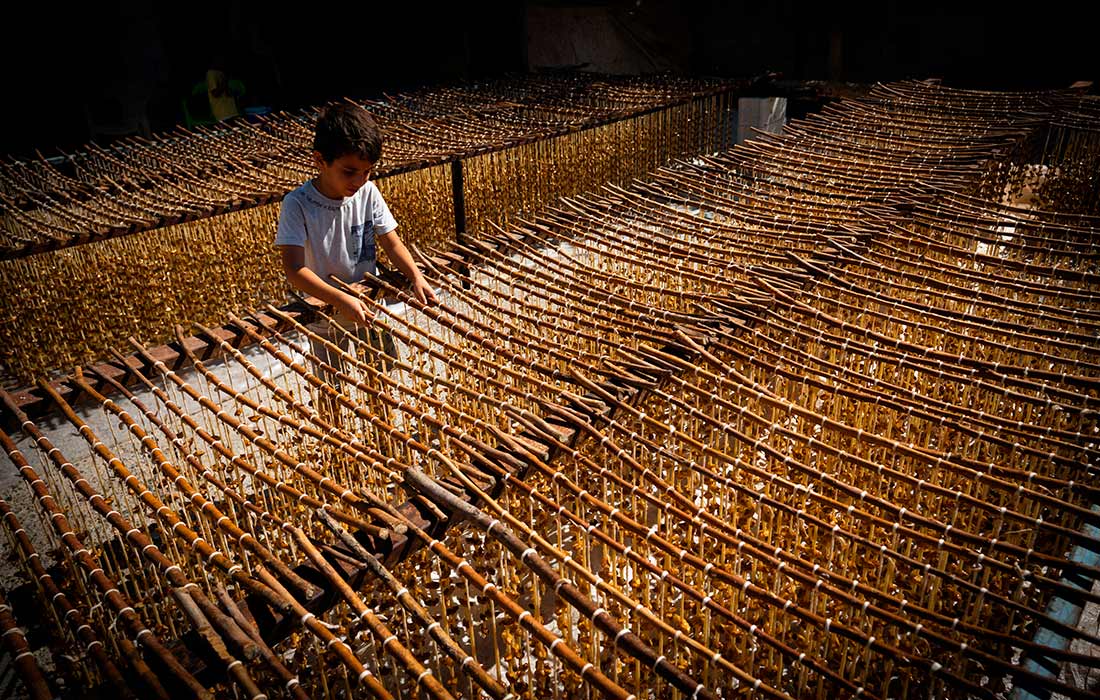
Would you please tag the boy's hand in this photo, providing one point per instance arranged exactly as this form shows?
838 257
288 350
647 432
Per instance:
423 292
354 309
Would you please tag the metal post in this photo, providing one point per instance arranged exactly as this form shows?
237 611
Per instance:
459 199
458 196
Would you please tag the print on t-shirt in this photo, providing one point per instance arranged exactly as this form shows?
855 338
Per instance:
361 237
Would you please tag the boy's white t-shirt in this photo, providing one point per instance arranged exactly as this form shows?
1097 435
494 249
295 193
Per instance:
338 234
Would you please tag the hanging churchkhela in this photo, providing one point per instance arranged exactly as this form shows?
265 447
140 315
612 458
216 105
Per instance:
810 417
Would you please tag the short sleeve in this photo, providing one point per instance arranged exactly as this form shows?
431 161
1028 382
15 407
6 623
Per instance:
380 213
292 223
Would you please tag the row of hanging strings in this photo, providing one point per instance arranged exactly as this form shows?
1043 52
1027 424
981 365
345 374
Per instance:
805 418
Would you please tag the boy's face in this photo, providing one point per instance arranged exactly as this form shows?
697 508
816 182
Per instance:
343 176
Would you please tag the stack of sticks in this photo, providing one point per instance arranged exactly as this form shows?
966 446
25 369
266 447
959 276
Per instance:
809 418
179 228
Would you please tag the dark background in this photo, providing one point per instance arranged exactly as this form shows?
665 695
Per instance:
70 71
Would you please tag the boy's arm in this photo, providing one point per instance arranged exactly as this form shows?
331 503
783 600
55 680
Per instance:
306 280
399 255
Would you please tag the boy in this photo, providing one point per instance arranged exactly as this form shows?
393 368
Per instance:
331 224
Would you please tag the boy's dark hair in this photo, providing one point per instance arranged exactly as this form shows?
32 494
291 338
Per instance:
347 128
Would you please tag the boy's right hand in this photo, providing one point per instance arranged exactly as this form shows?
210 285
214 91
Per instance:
353 309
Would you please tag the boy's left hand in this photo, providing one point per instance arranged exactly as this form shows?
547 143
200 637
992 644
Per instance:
423 292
